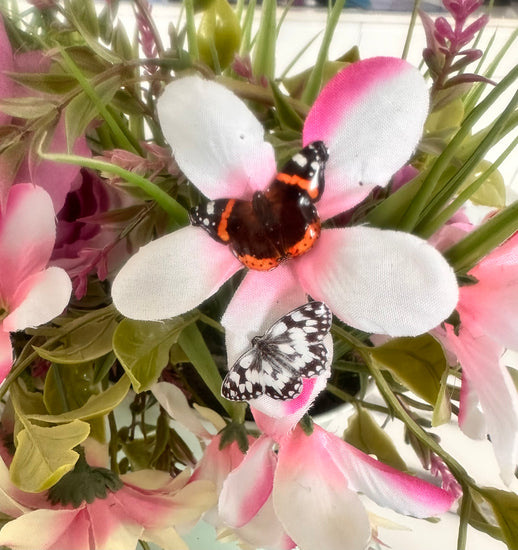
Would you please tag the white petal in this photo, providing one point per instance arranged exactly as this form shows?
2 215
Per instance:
172 275
216 140
370 116
380 281
261 299
45 296
312 499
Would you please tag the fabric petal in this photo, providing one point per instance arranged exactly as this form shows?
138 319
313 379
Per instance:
482 367
39 299
174 402
491 305
265 530
312 499
371 117
249 486
172 275
27 234
45 530
277 417
380 281
385 485
216 140
261 299
6 354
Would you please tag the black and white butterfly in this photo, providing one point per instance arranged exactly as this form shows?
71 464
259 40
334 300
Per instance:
290 350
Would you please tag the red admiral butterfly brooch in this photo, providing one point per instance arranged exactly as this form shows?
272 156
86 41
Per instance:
279 223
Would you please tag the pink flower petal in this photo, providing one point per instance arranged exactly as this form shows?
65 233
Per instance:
55 177
312 499
265 530
479 357
6 354
217 142
27 233
247 316
248 487
47 530
173 401
370 116
39 299
277 417
491 305
380 281
385 485
172 275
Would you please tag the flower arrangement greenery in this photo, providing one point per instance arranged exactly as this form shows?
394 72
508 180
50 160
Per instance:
152 192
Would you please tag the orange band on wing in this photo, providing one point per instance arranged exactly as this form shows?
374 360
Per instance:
305 184
223 223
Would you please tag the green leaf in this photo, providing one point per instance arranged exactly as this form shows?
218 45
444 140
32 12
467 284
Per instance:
418 363
505 508
97 405
492 192
82 110
192 343
288 118
143 347
86 342
264 52
365 434
49 83
27 107
442 409
45 455
449 117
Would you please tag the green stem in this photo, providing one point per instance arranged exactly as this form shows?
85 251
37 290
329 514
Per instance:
165 201
89 90
410 30
427 229
464 513
414 211
314 83
426 226
192 41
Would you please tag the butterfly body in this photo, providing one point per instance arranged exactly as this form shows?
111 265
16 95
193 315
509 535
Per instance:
277 224
290 350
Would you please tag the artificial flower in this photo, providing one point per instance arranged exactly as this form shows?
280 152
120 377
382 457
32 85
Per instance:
56 178
30 292
144 505
304 483
488 325
370 117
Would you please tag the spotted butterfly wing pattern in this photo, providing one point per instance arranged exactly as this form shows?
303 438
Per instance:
290 350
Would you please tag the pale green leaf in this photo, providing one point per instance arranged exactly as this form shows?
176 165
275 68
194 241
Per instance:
492 192
26 107
442 409
143 347
82 110
86 341
97 405
416 363
365 434
45 455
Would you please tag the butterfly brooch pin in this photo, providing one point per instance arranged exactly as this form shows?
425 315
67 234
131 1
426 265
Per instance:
291 349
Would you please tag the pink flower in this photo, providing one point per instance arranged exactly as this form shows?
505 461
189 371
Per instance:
294 489
370 117
488 325
149 505
56 178
30 293
88 231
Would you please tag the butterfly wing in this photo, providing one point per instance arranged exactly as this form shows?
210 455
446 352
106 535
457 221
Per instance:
292 349
244 380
